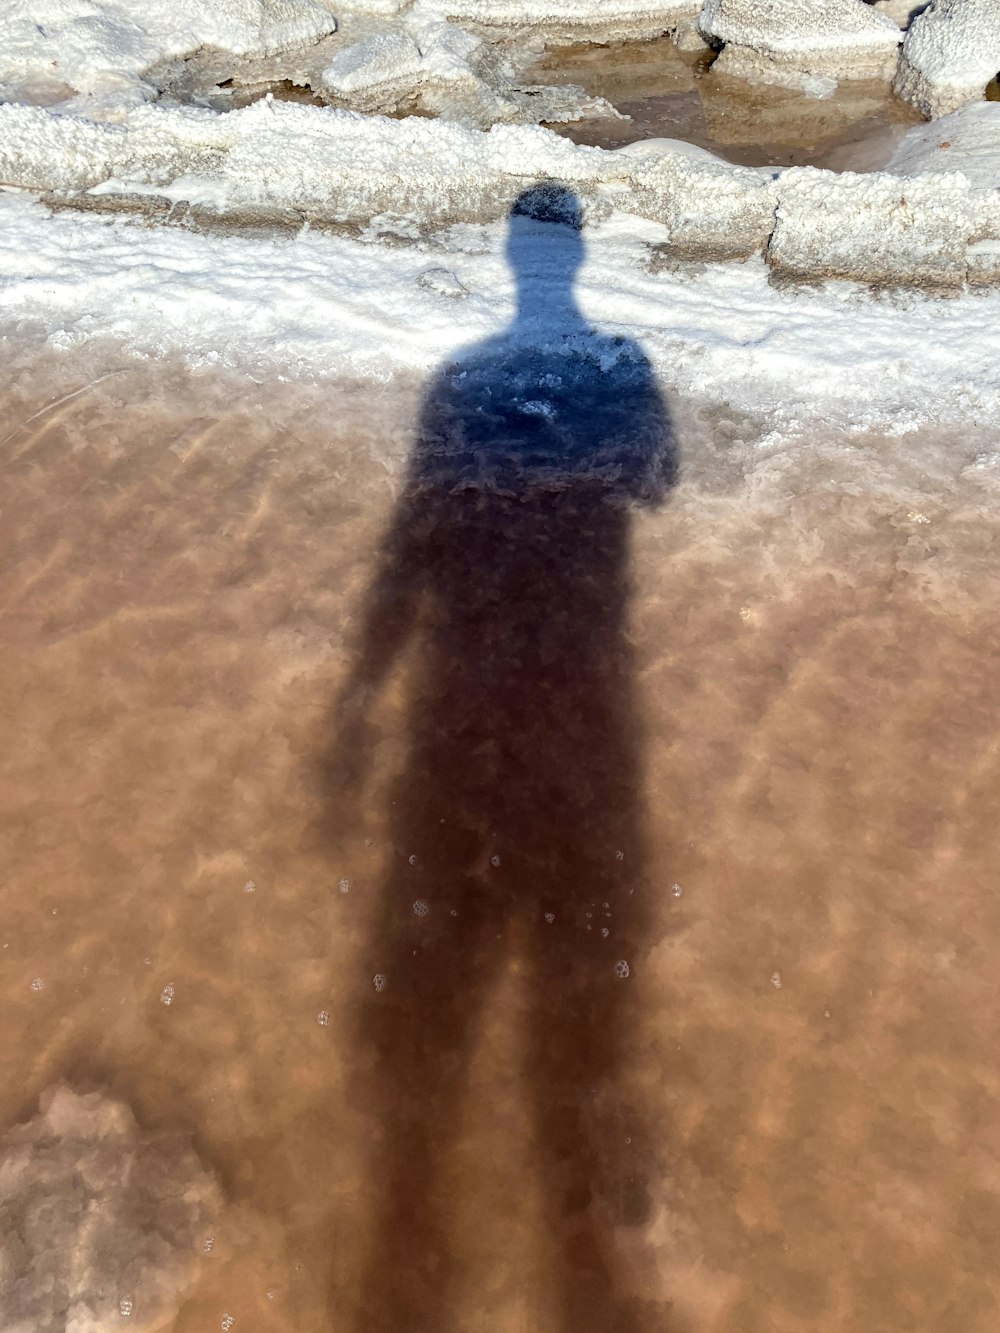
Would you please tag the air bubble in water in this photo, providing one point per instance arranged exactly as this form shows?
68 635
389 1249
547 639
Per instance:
250 886
323 1018
345 885
413 860
378 981
38 984
494 860
125 1307
776 980
420 908
621 969
676 890
168 993
550 917
227 1322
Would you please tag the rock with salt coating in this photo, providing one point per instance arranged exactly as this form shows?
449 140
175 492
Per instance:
436 68
608 19
966 142
874 229
100 1222
951 52
99 54
388 60
802 44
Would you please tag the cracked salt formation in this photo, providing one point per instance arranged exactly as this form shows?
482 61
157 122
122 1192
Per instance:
99 1220
802 45
951 52
438 69
99 56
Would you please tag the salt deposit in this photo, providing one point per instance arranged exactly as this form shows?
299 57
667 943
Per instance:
310 304
103 51
967 141
99 1220
792 43
604 19
951 53
436 68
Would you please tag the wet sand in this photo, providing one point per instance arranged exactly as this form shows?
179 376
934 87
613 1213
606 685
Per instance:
798 1127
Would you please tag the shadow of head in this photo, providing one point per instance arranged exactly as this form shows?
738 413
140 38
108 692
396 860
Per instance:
545 249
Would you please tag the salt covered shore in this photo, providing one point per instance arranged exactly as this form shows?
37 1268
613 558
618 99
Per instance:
387 200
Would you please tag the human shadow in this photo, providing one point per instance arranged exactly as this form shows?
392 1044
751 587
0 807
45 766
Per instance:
503 582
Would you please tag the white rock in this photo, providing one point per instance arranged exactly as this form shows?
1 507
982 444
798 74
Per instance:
617 19
786 41
97 1218
104 49
387 58
441 70
951 52
966 144
874 229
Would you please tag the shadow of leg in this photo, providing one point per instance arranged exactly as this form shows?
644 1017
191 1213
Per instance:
419 1033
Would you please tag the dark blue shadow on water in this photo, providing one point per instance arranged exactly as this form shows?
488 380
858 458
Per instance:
517 815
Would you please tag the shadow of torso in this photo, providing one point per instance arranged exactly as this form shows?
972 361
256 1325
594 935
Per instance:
515 819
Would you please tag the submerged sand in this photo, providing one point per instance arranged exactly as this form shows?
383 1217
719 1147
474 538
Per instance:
789 1119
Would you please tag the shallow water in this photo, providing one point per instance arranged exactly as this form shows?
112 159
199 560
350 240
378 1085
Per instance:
670 94
794 1125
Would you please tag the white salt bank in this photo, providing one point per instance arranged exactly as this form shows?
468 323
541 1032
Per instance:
99 54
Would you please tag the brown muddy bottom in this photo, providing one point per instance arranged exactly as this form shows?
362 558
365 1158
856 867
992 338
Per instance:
573 915
673 95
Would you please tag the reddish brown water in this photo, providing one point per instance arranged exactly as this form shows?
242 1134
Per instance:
784 1118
